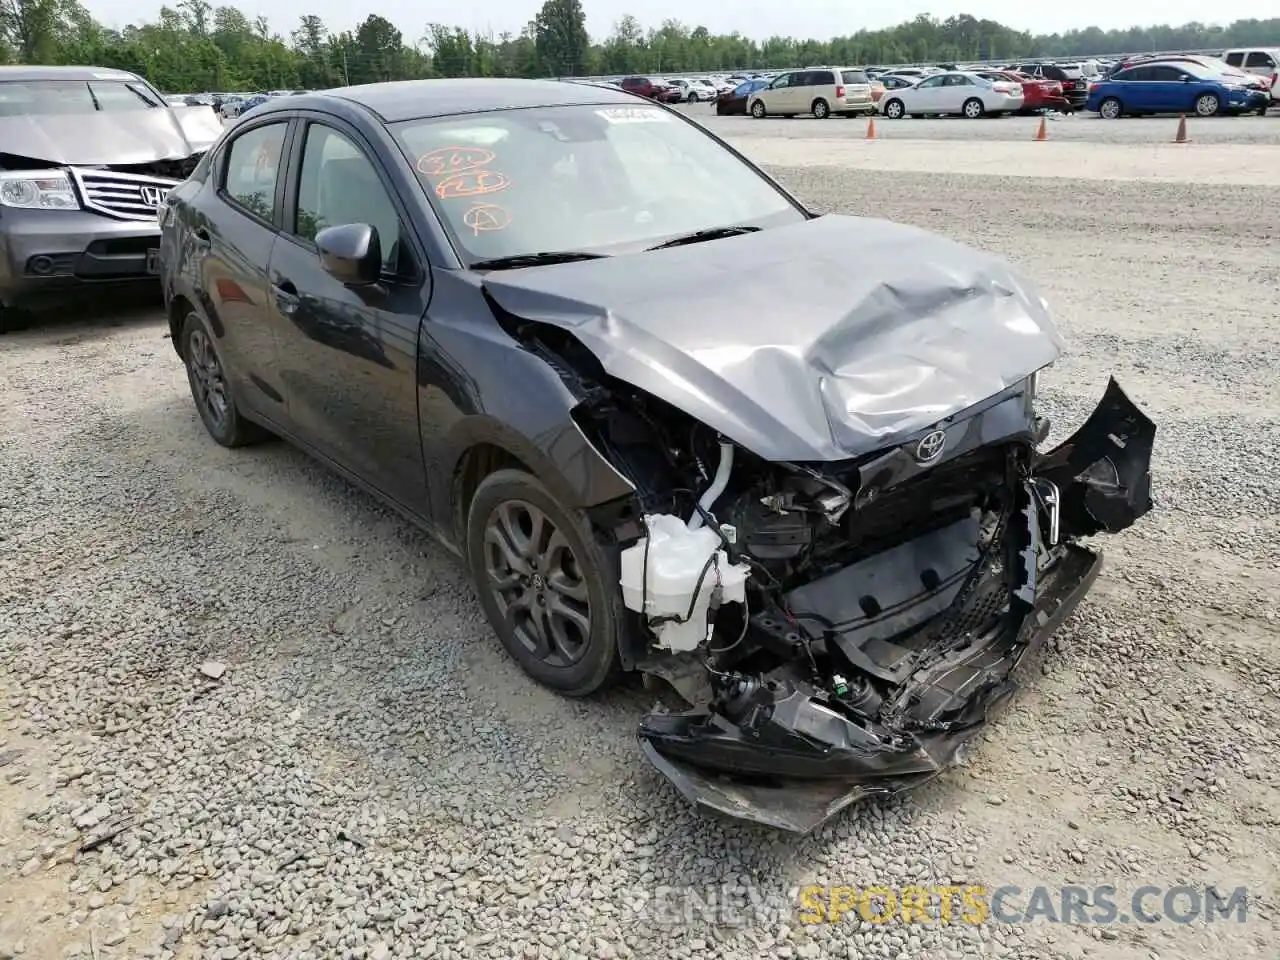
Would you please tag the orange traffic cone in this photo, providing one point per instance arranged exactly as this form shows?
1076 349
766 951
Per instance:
871 128
1042 133
1181 136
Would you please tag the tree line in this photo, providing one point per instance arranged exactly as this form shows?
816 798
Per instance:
195 46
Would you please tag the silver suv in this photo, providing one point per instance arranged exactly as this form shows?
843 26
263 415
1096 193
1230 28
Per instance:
820 91
87 156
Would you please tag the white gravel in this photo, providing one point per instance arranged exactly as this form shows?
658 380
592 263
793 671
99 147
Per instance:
286 699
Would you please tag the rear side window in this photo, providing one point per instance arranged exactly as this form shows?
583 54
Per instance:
1166 73
253 162
1235 59
1259 59
854 76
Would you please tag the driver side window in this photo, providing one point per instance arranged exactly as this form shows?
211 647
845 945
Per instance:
782 81
340 185
932 82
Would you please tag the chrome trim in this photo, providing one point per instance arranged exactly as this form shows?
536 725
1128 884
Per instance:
122 196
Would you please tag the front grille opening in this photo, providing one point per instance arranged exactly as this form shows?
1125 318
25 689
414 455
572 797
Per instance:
122 246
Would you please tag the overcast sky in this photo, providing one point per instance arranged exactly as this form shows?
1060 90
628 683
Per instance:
820 19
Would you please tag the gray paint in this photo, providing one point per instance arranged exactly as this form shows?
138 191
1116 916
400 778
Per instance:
120 137
819 341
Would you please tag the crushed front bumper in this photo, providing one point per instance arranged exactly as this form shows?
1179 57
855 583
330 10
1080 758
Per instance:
49 255
785 756
799 806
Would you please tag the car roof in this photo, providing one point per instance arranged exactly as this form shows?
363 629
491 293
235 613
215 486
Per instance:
64 73
416 99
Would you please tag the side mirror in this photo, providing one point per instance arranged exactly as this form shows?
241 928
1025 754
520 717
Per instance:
1186 78
351 253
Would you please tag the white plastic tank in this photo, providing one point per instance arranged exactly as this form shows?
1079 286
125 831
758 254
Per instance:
677 557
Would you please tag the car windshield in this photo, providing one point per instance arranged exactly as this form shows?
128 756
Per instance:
45 97
599 178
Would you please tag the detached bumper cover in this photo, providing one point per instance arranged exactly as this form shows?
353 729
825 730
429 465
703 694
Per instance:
798 806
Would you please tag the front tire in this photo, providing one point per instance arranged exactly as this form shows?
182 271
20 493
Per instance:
1110 109
693 97
1208 105
209 388
973 108
547 586
820 109
757 110
894 109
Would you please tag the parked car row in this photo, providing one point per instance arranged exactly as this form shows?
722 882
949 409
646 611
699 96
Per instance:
1178 83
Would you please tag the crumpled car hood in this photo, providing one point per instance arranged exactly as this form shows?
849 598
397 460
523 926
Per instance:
136 136
820 341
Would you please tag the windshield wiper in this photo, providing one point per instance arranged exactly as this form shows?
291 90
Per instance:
516 260
714 233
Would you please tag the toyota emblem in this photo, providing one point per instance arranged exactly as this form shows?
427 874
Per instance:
930 447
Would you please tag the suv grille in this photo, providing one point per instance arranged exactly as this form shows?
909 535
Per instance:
125 196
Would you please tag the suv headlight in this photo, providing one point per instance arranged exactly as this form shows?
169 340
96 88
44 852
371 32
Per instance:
37 190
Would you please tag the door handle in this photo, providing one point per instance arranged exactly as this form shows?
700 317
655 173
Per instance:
286 296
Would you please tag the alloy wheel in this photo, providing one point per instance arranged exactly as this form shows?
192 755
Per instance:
1207 105
207 381
538 585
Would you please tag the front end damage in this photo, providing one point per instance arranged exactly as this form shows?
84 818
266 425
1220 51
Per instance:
840 630
844 539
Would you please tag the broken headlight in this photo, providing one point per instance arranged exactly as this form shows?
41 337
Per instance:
37 190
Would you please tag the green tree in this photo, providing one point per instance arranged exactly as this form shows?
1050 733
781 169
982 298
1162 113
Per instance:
560 33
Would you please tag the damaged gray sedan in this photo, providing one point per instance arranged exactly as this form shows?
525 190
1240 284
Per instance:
788 464
87 156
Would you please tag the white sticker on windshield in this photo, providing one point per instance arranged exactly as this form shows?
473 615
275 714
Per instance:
634 115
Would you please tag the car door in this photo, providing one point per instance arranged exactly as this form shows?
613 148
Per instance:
1169 90
780 95
348 354
234 227
955 90
1259 62
1136 89
925 96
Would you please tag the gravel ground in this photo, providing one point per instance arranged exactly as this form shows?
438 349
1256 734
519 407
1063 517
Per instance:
285 697
1084 127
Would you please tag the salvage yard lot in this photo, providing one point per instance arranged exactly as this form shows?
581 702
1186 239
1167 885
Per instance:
372 776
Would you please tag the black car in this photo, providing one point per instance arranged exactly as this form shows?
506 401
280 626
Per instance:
634 384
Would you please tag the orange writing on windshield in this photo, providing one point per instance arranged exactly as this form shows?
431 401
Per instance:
449 160
486 217
473 183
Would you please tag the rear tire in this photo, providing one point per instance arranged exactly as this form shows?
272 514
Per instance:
973 109
820 109
894 109
210 390
553 597
758 110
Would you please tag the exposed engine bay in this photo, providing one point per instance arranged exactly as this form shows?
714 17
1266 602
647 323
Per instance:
840 629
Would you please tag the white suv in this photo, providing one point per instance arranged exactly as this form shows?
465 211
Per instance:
821 91
1264 61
